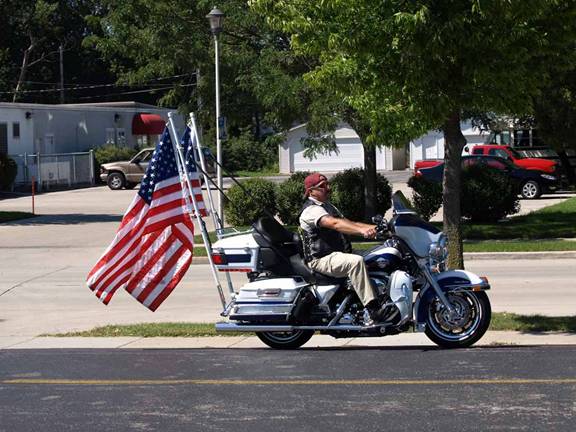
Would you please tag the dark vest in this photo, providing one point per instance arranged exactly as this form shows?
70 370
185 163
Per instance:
323 241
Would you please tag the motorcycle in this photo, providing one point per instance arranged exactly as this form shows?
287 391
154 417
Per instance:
285 302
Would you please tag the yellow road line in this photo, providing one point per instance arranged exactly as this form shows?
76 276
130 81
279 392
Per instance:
152 382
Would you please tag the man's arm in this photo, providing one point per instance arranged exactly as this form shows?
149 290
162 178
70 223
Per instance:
346 226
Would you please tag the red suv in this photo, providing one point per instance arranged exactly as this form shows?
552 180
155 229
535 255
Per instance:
507 152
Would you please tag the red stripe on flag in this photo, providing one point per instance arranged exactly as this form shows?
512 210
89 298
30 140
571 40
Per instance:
183 238
103 281
167 190
170 287
160 225
166 268
137 278
128 236
108 297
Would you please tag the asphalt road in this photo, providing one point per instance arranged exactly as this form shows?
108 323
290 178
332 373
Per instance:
505 388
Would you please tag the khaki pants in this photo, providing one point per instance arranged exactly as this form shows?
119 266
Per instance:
339 264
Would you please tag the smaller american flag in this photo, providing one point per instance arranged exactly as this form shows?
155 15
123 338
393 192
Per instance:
153 247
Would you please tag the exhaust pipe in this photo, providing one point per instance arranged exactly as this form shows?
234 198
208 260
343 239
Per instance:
232 327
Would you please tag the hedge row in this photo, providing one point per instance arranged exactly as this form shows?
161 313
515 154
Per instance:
286 199
487 195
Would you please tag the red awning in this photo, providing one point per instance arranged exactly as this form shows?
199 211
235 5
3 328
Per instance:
147 124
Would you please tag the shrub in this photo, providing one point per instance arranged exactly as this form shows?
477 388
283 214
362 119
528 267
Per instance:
290 197
348 193
8 171
426 197
113 153
245 153
488 195
242 209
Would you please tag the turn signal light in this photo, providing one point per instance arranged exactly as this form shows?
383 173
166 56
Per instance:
219 259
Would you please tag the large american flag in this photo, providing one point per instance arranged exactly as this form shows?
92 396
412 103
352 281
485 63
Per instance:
153 246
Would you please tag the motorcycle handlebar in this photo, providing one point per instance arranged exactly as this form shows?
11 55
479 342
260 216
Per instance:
382 231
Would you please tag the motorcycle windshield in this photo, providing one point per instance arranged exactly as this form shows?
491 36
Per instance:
401 204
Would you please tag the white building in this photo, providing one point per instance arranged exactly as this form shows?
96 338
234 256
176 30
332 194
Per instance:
431 145
49 129
350 153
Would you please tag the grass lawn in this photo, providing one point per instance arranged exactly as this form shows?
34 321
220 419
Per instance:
500 321
6 216
556 221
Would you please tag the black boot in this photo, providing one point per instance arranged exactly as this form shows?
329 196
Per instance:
377 310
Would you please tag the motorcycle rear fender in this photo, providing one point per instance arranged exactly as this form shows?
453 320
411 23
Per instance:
452 280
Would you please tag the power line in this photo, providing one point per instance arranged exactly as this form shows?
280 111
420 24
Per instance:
93 86
137 91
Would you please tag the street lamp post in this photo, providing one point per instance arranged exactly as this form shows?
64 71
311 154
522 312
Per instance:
216 19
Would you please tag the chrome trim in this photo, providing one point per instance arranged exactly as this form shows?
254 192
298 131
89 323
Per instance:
340 310
437 289
233 327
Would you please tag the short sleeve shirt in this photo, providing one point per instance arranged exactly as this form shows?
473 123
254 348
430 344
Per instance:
312 214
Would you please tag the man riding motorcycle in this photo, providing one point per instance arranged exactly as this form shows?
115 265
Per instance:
326 247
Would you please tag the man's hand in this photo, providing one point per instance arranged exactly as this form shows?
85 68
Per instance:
369 233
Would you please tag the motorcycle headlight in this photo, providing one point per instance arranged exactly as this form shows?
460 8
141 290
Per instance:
438 251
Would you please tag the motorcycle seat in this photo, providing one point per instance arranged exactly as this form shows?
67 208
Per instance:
301 269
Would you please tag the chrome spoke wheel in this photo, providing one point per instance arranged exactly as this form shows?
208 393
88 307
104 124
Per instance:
468 321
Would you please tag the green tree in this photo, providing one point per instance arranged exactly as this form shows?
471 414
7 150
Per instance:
428 62
555 117
29 63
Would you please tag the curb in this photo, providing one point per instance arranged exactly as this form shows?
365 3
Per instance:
474 256
489 340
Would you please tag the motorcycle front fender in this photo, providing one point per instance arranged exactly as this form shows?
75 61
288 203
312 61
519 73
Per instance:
452 280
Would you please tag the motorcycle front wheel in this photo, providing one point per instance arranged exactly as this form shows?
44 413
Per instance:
285 340
466 326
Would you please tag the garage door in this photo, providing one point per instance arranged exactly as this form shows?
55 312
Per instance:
350 155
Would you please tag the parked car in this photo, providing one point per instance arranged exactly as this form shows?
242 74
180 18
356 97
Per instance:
507 152
531 183
127 174
503 151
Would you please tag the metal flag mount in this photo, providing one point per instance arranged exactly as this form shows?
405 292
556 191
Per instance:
191 202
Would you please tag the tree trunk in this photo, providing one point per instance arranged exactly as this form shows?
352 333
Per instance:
568 169
454 142
23 69
369 182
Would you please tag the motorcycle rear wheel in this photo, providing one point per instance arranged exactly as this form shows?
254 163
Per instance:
472 319
285 340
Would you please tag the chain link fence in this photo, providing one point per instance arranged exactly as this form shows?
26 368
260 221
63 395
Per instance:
55 171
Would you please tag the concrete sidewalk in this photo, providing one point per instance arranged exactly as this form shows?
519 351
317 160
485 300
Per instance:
490 339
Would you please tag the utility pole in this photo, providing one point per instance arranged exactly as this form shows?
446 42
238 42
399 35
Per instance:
61 49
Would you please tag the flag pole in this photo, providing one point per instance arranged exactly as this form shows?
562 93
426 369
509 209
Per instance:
187 187
215 216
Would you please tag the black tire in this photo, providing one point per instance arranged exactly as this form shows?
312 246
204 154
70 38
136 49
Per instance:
130 185
531 189
474 314
116 181
285 340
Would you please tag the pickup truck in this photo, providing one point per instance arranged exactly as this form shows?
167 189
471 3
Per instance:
503 151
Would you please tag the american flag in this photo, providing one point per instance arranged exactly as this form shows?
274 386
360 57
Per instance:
153 247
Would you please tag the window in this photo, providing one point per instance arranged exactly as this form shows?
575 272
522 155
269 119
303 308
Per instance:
499 152
110 136
16 130
477 151
120 137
